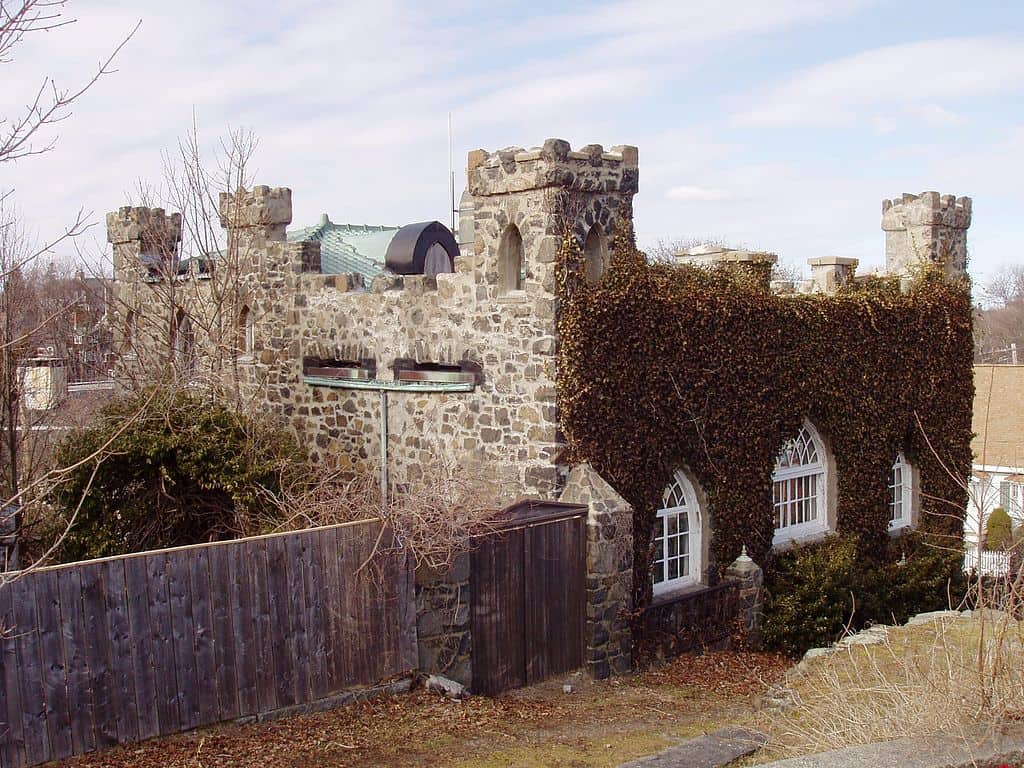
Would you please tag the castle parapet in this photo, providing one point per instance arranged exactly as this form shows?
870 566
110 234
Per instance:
926 228
143 238
152 228
926 209
591 169
264 209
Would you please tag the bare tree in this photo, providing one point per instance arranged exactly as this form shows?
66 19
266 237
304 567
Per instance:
999 323
190 324
21 135
23 317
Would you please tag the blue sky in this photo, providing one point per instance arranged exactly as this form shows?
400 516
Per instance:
778 125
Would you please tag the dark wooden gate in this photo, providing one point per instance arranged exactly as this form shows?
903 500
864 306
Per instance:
528 601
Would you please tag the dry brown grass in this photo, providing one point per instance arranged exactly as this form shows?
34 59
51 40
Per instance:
956 674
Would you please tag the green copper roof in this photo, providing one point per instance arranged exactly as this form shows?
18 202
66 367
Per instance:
348 248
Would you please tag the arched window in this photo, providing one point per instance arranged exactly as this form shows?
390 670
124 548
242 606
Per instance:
677 537
511 264
595 255
901 494
184 343
799 487
245 332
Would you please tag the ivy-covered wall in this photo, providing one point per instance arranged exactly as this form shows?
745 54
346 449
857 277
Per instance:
666 366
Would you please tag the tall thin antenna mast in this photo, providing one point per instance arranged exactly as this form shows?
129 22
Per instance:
451 171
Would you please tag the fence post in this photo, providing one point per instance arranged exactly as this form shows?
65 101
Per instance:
750 578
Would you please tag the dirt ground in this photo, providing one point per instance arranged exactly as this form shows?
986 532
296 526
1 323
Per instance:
601 723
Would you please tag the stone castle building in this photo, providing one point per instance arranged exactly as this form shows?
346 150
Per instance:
395 370
402 351
401 364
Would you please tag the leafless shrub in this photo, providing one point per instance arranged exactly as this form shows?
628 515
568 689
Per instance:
452 507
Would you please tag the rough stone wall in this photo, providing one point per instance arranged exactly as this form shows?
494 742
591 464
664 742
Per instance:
507 425
926 228
609 571
444 639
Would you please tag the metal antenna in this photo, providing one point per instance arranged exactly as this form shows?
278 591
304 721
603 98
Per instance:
451 171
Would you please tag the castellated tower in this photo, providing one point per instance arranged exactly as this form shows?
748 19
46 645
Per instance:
144 239
926 228
523 199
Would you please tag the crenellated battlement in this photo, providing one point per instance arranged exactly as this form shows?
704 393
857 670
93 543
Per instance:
591 169
262 207
926 228
152 228
926 209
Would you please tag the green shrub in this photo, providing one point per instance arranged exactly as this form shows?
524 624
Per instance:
815 591
810 596
164 469
998 530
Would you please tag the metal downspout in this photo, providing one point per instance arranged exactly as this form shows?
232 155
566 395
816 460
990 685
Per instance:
384 449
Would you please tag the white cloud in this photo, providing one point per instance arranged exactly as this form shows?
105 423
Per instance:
910 78
692 194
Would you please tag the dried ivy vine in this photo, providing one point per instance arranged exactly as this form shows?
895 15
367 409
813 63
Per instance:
665 366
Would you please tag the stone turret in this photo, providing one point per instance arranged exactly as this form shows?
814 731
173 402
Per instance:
144 239
926 228
521 199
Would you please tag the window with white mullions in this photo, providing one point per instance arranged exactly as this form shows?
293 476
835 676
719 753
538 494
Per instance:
799 487
677 537
901 491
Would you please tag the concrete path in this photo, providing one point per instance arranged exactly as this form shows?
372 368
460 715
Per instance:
710 751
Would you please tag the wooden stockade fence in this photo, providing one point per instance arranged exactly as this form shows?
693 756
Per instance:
122 649
528 597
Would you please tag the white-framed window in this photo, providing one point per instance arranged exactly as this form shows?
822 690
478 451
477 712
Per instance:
901 493
677 537
1010 493
799 487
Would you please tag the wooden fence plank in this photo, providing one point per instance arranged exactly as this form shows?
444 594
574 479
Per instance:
554 568
295 556
329 603
126 711
162 631
266 670
14 735
282 636
499 653
242 624
183 638
202 626
143 670
316 635
347 636
225 661
408 655
97 649
33 704
55 677
76 662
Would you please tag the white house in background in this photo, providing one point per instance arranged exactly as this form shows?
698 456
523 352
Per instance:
997 478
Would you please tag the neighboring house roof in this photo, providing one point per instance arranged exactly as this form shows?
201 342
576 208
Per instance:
346 248
998 421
